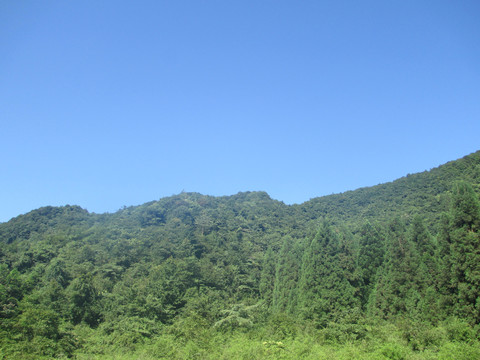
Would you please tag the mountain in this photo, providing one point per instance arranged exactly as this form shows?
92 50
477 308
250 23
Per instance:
422 193
404 252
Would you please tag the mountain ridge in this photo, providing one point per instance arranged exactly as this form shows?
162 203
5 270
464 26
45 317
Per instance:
359 200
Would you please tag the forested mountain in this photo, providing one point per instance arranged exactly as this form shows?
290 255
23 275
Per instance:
388 271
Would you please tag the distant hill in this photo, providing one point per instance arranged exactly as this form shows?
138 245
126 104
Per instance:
423 193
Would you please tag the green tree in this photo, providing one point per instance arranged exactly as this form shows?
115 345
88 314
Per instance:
465 251
38 321
370 258
429 306
398 287
325 293
423 240
11 291
287 275
444 280
267 278
84 300
56 270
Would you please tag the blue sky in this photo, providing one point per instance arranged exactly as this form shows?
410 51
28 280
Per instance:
112 103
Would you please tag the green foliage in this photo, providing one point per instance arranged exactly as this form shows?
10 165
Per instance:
267 279
239 316
465 207
38 322
128 333
462 259
400 284
287 276
459 330
282 326
83 301
326 291
394 351
11 291
380 279
370 259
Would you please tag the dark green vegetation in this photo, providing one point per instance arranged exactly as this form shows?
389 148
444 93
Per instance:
386 272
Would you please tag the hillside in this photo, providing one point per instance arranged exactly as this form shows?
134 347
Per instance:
250 271
422 193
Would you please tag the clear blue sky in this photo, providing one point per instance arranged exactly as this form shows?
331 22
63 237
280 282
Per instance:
112 103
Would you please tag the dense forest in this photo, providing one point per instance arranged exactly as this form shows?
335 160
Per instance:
386 272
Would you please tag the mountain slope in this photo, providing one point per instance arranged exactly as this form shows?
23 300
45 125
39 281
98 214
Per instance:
422 193
192 268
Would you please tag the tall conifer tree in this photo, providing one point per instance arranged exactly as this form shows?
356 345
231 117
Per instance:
267 278
370 258
427 271
287 275
325 291
397 290
465 251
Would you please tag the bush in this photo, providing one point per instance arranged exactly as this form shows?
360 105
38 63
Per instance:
393 351
458 330
459 351
281 326
420 335
129 332
343 332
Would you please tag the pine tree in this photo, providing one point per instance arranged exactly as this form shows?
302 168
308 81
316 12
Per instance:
465 251
287 275
427 270
267 278
444 279
398 287
419 234
325 291
370 258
